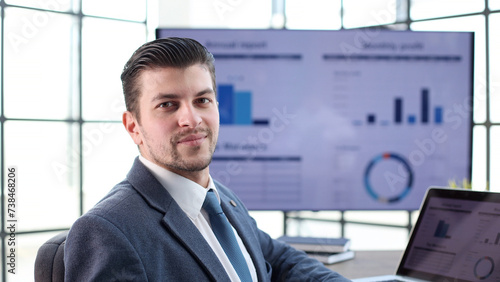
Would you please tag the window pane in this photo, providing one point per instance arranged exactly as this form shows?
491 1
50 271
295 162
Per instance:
134 10
479 157
40 65
270 222
494 4
476 24
106 47
360 13
46 157
494 67
425 9
366 237
216 14
108 153
494 160
54 5
315 14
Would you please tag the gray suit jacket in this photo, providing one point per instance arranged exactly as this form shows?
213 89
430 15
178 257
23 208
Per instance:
139 233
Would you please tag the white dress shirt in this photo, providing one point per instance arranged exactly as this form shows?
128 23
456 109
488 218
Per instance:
190 196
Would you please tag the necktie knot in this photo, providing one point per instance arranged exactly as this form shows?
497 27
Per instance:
211 204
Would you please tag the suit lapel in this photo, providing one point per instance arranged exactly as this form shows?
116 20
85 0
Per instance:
175 220
184 230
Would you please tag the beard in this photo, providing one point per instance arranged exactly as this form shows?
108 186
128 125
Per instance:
194 159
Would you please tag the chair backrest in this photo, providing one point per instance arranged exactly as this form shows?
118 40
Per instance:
49 262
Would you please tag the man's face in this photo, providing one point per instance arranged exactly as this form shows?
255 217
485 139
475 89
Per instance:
179 118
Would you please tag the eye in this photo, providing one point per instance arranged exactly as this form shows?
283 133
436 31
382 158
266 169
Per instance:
166 105
203 101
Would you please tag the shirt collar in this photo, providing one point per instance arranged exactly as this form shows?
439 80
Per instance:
188 194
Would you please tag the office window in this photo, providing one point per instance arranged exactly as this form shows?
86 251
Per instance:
218 14
106 47
360 13
39 51
47 192
427 9
494 4
495 161
316 14
494 68
58 5
61 111
134 10
377 238
479 167
45 157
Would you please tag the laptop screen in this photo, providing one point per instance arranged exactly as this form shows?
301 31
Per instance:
457 237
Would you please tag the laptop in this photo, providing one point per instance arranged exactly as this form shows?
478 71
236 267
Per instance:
456 238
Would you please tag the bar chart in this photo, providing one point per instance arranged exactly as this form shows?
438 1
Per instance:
425 114
442 230
488 233
235 107
496 241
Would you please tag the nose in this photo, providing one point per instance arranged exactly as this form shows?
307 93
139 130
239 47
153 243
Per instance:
188 116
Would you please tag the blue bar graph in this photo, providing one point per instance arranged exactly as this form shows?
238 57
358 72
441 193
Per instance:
425 106
438 115
235 107
243 108
412 119
442 230
225 95
421 115
398 110
260 122
371 119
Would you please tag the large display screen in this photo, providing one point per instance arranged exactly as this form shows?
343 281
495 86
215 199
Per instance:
339 120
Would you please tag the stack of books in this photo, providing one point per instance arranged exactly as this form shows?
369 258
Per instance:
326 250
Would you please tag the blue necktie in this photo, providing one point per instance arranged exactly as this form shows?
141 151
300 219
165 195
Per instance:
224 233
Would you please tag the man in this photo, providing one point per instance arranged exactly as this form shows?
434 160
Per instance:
154 225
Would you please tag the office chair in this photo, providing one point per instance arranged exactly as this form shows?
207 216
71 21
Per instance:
49 262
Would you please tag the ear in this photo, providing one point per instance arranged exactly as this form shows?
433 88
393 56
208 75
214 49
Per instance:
132 126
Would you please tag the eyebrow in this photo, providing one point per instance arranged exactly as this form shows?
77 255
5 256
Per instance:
161 96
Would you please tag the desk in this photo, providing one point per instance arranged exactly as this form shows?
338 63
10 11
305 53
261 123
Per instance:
368 263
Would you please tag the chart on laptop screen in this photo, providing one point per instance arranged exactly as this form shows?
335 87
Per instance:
322 120
458 238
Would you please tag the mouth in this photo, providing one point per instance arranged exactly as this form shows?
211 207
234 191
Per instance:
192 139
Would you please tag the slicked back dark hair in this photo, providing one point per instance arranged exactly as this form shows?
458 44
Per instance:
165 52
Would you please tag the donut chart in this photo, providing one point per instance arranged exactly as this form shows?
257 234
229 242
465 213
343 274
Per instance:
369 171
484 268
